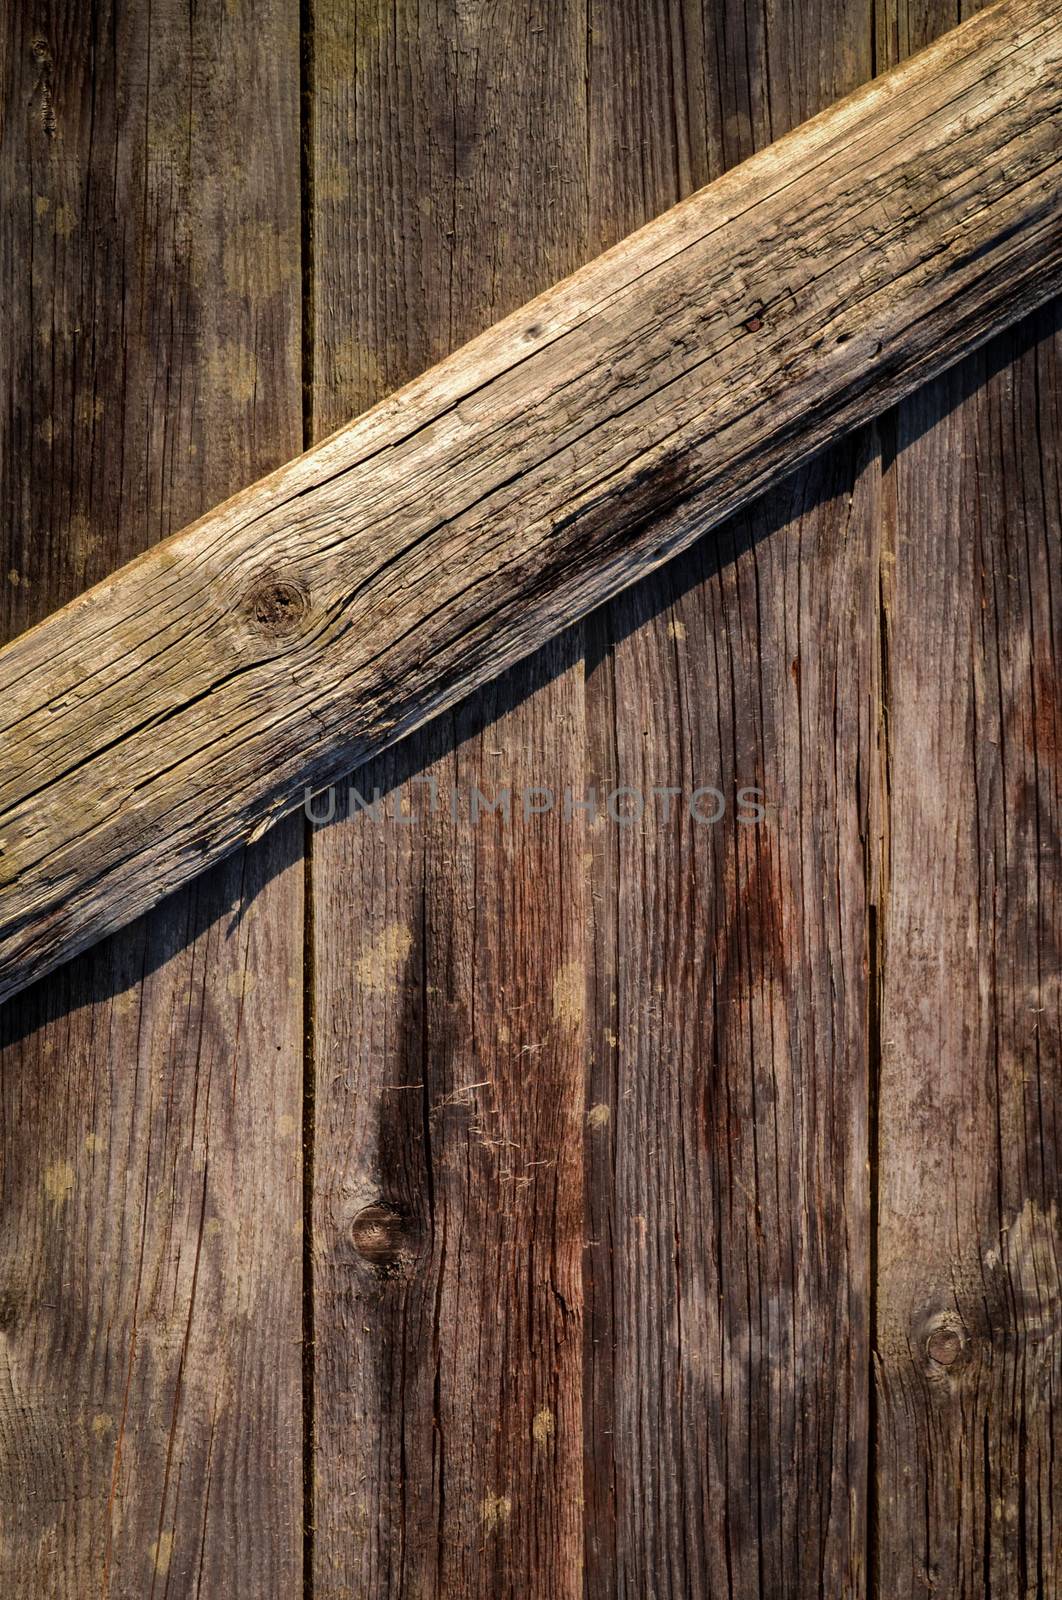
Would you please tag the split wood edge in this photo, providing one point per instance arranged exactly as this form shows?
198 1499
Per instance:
176 710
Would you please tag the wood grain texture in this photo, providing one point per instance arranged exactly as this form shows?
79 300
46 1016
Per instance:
150 1095
677 1493
969 1294
968 1348
600 1264
346 598
449 1024
733 1293
727 1298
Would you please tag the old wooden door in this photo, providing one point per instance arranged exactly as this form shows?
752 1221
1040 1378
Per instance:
599 1200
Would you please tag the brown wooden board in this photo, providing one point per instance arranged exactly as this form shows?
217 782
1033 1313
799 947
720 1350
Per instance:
449 1017
968 1292
150 1109
727 1276
968 1289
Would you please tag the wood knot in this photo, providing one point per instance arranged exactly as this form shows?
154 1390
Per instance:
385 1237
944 1343
944 1347
277 606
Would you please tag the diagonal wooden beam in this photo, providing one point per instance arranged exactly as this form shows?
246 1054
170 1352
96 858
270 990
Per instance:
178 708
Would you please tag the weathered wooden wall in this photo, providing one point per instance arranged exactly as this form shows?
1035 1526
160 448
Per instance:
677 1206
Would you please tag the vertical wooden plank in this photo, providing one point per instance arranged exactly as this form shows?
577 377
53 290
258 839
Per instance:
968 1290
733 1418
449 975
150 1316
969 1297
728 1286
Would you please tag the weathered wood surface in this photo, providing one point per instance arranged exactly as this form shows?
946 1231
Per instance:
716 1285
968 1329
969 1296
150 1094
727 1283
343 600
449 1027
693 1418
